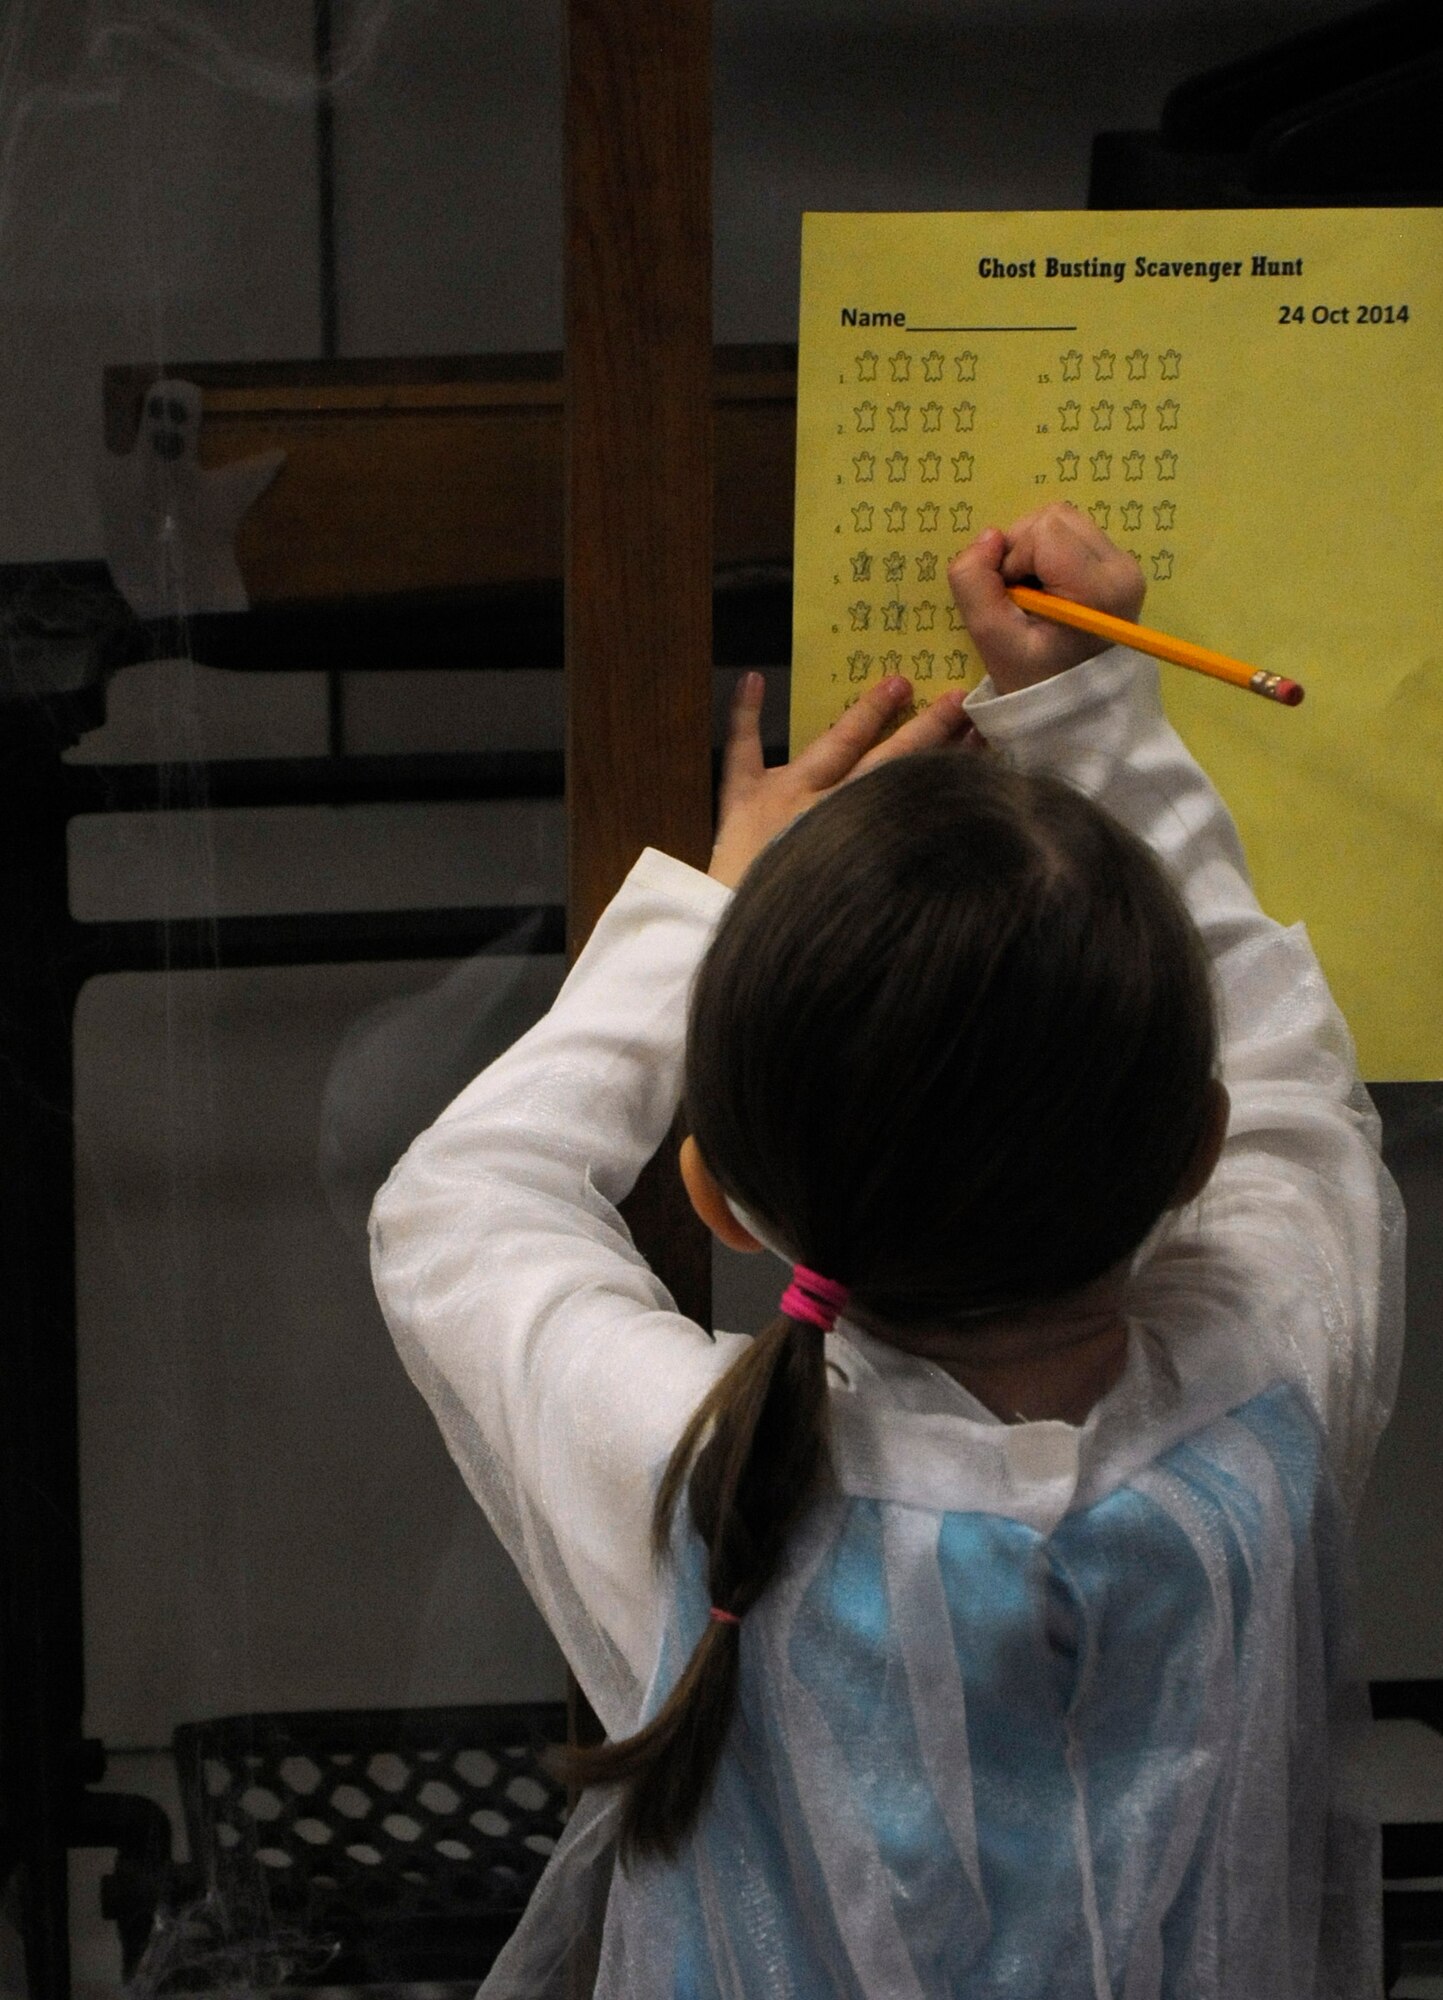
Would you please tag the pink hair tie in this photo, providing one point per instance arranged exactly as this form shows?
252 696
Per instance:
813 1298
723 1617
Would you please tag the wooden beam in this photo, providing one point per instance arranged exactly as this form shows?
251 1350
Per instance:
638 385
639 482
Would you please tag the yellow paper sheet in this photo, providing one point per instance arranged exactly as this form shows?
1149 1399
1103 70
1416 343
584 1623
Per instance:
1264 429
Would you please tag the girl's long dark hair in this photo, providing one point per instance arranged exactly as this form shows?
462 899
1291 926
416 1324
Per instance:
952 1044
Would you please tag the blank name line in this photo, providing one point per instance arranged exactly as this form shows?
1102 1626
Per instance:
991 329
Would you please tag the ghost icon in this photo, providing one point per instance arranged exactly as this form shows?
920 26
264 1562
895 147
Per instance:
170 522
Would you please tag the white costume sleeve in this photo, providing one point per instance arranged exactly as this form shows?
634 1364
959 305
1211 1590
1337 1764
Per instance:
553 1357
1298 1239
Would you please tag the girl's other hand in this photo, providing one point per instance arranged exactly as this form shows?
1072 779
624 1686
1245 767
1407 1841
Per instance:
757 804
1068 555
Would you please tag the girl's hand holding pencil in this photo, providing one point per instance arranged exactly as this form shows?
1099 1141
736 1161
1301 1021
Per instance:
1089 587
1066 553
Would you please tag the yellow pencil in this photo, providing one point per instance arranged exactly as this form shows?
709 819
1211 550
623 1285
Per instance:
1181 652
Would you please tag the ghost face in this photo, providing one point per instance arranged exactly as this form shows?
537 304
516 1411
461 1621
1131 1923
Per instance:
172 420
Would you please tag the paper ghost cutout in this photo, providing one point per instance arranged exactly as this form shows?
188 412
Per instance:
170 523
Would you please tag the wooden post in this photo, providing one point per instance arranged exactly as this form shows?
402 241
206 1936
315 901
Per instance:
638 533
638 528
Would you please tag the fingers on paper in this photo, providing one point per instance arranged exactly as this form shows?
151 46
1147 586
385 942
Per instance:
942 721
837 752
743 762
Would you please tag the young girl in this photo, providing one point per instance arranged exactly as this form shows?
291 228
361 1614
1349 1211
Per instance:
995 1641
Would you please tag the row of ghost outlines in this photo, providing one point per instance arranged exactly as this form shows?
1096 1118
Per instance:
1104 365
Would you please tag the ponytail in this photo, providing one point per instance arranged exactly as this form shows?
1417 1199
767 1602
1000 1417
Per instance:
765 1454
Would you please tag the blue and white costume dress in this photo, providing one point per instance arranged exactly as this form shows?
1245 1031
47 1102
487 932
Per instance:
1034 1711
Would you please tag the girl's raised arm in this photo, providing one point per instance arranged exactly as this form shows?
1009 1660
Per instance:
553 1358
1298 1236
